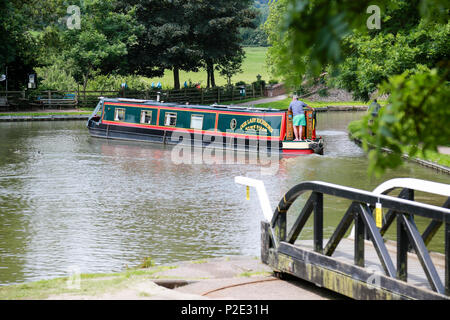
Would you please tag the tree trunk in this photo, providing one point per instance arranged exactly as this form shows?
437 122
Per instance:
213 81
85 82
208 75
176 78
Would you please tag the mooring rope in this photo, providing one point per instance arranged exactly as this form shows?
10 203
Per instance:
239 284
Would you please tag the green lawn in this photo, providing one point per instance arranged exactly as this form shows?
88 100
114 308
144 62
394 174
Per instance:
253 65
283 104
90 284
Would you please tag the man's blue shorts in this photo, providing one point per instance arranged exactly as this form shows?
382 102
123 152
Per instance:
299 120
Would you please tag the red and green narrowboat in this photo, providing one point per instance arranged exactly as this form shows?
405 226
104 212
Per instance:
236 127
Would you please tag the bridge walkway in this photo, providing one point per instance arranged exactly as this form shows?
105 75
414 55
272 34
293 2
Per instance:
363 265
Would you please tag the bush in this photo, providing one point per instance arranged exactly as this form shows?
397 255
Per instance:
323 92
300 90
54 77
258 84
103 83
113 82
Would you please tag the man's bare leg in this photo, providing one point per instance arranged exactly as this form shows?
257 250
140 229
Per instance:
296 133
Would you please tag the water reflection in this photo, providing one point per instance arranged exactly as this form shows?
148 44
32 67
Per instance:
71 201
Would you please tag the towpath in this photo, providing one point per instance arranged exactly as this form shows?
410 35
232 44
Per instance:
225 278
265 100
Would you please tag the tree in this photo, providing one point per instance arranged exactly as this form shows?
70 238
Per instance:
397 47
257 37
277 60
186 35
101 42
231 66
215 26
400 61
167 41
18 45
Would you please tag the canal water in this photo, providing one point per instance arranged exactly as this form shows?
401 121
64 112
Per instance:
71 203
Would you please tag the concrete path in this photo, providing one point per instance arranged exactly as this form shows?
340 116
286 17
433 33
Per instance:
444 150
51 114
265 100
241 278
50 117
44 110
226 278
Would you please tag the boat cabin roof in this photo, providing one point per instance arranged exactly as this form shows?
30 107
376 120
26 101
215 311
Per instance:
211 107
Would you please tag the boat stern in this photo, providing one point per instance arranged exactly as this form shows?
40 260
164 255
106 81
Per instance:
303 147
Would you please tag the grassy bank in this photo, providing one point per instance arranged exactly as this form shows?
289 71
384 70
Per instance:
143 281
435 157
283 104
253 64
35 114
89 284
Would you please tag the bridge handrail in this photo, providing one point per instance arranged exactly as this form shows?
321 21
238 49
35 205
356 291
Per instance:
360 212
369 197
362 196
414 184
411 185
262 194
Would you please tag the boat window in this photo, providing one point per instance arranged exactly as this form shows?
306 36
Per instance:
119 114
170 119
146 117
197 121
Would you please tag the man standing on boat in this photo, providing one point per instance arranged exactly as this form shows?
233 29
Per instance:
299 120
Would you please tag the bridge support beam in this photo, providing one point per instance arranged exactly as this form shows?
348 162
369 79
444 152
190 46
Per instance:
344 278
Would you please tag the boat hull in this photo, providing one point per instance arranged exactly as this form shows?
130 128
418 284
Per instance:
106 131
302 147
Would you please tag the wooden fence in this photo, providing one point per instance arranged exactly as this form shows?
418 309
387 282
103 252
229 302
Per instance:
89 99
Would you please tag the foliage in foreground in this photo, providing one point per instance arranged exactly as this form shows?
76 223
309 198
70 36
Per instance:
407 58
405 121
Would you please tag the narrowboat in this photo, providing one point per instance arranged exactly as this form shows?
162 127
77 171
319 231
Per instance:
233 127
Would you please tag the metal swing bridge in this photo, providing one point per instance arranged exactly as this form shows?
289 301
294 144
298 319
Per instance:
360 266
